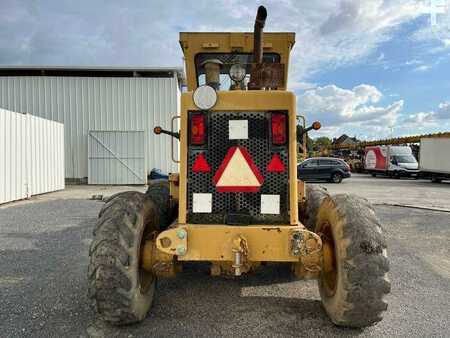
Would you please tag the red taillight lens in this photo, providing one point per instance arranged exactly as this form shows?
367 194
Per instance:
278 129
198 129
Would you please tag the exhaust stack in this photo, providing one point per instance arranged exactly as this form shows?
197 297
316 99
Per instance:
260 21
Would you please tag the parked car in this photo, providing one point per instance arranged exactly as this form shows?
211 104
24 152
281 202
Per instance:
323 168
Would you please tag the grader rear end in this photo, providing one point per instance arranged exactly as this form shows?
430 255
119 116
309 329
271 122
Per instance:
236 202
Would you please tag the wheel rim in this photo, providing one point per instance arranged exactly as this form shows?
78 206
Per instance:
336 178
329 267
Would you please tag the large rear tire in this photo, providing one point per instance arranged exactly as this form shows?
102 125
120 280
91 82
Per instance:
353 281
120 289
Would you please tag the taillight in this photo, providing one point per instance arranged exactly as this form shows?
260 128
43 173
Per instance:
279 129
198 129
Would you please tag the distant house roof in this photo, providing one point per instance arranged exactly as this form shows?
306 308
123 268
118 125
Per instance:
345 139
93 71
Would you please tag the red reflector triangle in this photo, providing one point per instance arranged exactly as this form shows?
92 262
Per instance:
238 172
201 165
275 164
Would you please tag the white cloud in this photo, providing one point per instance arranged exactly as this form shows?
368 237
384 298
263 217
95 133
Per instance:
422 68
437 118
368 16
334 105
300 85
374 123
436 38
350 111
329 33
348 32
413 62
444 110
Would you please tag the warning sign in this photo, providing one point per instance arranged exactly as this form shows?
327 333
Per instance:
238 172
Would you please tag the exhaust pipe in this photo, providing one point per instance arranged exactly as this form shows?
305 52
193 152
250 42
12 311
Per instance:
260 21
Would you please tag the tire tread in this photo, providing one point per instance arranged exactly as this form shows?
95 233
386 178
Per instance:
366 264
111 277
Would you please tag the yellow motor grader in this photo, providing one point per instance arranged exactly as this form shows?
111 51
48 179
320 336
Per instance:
236 202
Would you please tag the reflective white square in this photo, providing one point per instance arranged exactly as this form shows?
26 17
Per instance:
238 129
202 203
270 204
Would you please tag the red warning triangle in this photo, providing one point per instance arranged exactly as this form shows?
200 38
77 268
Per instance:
201 165
275 165
238 172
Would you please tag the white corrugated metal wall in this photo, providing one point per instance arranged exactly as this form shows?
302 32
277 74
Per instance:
116 157
46 155
98 103
13 160
31 156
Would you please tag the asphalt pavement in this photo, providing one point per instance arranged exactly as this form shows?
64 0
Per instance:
43 287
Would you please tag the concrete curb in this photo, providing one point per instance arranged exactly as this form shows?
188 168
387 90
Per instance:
413 207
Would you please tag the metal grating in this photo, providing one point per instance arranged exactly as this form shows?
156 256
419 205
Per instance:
260 148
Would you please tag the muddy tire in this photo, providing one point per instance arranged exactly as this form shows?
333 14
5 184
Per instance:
315 194
120 290
159 192
353 282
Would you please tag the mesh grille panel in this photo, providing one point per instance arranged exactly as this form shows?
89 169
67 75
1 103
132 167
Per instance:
260 149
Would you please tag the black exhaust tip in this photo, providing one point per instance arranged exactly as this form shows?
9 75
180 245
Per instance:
261 15
260 21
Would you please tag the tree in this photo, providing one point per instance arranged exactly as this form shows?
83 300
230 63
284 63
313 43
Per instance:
321 142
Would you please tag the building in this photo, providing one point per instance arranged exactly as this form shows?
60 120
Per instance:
344 140
108 116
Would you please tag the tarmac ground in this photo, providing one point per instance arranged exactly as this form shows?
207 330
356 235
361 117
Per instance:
44 256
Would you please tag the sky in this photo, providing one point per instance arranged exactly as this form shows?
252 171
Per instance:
368 68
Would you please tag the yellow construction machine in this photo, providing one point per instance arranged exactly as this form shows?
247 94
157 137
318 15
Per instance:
237 203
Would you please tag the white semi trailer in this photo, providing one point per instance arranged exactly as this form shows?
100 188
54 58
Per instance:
435 158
